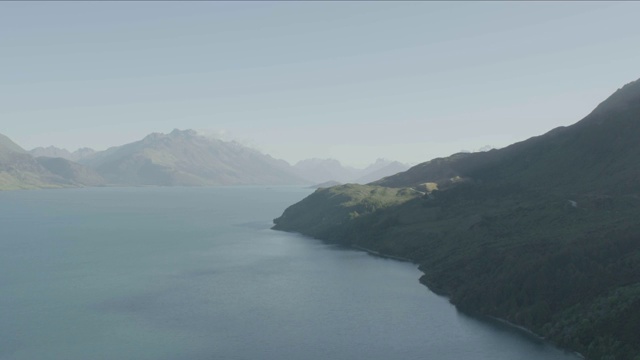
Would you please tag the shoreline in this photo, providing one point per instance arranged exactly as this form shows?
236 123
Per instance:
382 255
443 294
531 333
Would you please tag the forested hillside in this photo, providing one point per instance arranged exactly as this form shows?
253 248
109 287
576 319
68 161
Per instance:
544 233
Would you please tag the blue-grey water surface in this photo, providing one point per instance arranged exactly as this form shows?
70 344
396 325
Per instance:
196 273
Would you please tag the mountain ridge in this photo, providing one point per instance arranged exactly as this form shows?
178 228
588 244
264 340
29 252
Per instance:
183 157
575 142
55 152
544 233
20 170
7 145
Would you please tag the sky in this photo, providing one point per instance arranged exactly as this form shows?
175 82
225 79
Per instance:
354 81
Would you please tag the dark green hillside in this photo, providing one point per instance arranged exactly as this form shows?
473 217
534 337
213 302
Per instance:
544 233
600 150
324 213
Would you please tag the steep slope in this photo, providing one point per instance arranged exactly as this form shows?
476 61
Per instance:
22 171
588 153
186 158
544 233
72 173
19 170
7 146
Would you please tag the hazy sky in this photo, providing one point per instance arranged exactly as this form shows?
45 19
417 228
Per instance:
349 80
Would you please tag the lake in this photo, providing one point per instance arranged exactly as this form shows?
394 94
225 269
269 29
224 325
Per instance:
196 273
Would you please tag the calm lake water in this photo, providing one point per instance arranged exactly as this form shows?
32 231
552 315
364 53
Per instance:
196 273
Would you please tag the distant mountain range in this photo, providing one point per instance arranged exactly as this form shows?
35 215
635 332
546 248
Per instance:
379 170
188 159
180 158
54 152
544 233
20 170
325 170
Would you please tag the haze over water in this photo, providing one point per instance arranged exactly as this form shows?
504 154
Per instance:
196 273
